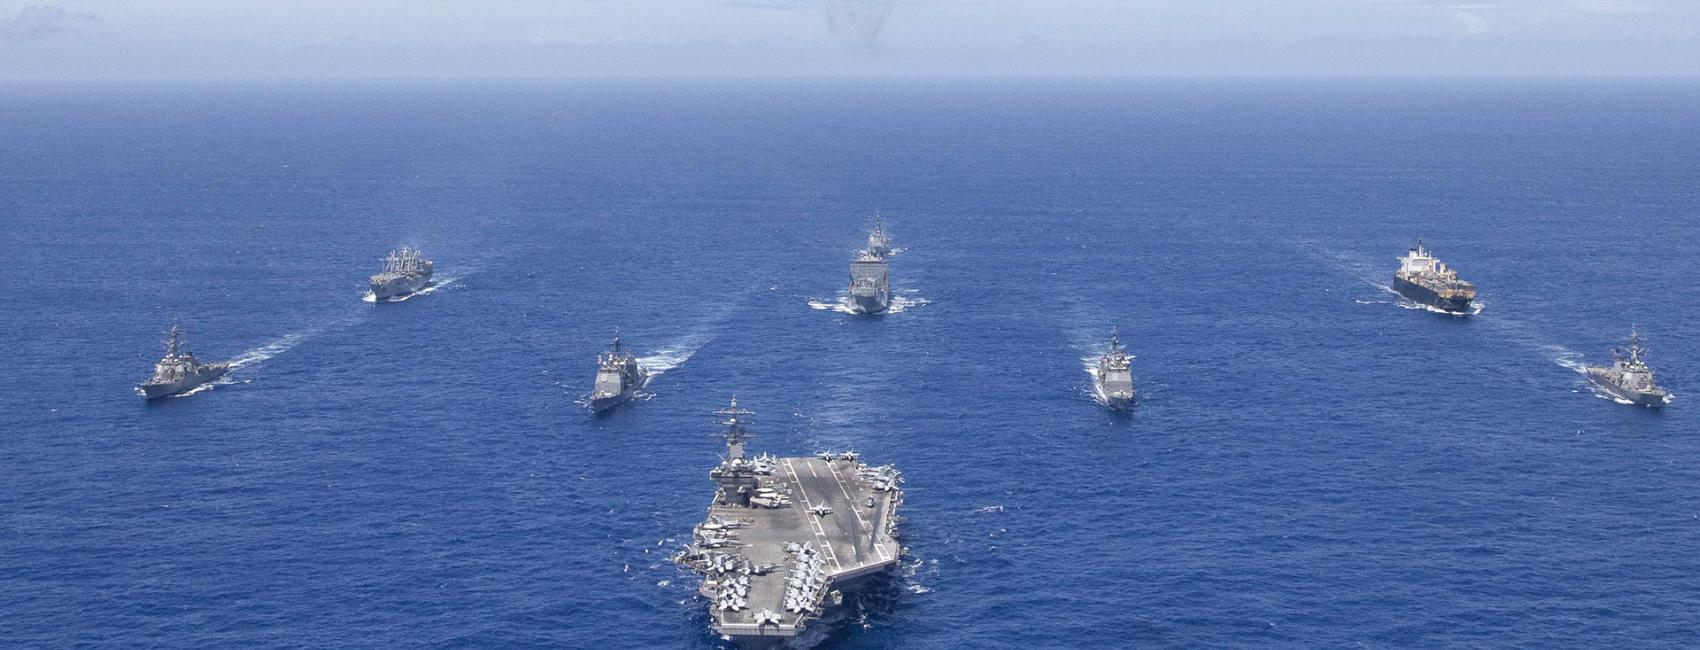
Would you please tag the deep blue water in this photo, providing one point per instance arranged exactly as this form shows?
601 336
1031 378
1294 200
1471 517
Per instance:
1310 466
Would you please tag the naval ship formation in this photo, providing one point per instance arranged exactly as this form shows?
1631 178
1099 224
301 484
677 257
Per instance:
179 370
1424 280
405 272
784 537
870 281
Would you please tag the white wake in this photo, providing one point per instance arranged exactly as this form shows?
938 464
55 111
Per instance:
899 303
428 289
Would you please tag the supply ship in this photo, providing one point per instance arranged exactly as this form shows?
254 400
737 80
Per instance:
785 537
1427 281
179 371
1628 378
405 271
870 288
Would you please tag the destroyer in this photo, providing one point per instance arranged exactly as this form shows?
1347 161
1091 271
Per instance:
785 536
879 245
405 271
618 377
1427 281
1114 380
1628 378
870 290
179 370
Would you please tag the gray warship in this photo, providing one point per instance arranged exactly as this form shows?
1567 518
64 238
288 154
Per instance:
405 271
179 370
1427 281
879 244
618 377
870 289
1114 379
785 537
1628 378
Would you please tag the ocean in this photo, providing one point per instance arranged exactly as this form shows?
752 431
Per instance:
1310 463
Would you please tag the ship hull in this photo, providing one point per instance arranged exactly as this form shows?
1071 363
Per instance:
1649 399
154 391
398 286
1116 400
602 404
1425 296
870 304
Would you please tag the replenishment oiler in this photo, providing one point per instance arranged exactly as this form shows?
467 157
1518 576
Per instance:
1427 281
870 288
1628 378
618 377
1114 379
179 371
405 272
785 537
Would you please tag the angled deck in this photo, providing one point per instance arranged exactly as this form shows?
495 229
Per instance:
853 538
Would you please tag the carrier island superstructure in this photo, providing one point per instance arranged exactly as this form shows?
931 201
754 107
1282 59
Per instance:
785 536
1427 281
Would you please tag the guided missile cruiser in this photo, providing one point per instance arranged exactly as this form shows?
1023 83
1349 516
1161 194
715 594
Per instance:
879 244
1427 281
1628 378
786 537
405 271
618 377
1114 379
870 288
179 371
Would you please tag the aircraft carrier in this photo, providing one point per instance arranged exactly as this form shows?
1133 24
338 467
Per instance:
786 536
1426 281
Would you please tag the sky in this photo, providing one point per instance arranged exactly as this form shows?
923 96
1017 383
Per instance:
451 39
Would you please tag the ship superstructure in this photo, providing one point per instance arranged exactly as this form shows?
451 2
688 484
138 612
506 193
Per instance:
1628 378
1114 379
879 244
1425 280
618 377
785 536
405 271
870 285
179 370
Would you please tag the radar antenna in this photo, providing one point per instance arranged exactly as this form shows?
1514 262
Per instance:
171 344
735 419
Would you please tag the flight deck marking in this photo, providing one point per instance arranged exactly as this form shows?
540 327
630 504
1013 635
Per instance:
885 557
814 522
